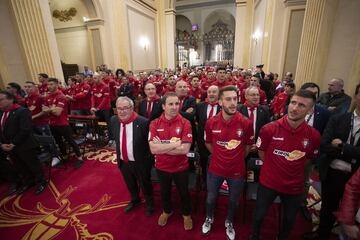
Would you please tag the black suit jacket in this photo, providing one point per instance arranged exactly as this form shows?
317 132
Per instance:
18 130
201 118
339 126
262 117
140 139
321 117
188 102
156 110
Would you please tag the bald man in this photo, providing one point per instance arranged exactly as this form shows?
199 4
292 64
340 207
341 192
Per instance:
335 100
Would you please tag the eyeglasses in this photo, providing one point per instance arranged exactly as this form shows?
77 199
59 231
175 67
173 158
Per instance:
125 109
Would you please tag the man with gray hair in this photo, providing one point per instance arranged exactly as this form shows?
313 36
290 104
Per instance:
335 100
130 132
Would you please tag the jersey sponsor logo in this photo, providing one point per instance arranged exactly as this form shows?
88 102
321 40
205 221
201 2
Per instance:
172 140
189 135
290 156
160 130
216 131
258 142
230 145
278 138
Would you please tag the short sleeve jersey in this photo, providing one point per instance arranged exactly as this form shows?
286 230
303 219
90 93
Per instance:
229 140
286 152
168 131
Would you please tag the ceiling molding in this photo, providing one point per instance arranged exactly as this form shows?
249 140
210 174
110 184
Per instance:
289 3
183 5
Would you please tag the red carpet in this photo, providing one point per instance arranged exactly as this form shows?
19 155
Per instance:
88 204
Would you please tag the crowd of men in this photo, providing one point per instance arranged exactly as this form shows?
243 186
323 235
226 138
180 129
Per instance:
230 116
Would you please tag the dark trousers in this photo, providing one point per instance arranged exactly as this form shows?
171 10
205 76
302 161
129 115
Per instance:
213 185
8 172
137 174
204 159
28 166
290 203
181 180
104 115
60 132
332 189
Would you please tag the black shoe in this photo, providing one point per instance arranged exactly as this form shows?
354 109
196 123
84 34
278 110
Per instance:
306 213
40 188
149 210
78 163
23 188
131 206
254 237
13 188
311 236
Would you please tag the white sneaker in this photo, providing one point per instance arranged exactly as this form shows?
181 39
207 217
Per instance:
55 161
230 232
206 227
111 144
89 136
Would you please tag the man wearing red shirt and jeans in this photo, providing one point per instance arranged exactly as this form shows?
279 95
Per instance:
55 106
170 139
228 136
285 146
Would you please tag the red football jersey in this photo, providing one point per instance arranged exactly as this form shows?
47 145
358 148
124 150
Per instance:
100 96
167 131
34 102
286 152
228 140
57 99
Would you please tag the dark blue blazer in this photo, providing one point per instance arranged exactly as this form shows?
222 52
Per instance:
321 117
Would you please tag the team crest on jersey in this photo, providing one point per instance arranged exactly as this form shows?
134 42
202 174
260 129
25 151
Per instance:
178 130
305 142
239 132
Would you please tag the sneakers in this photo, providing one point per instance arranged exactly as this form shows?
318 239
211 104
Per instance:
55 161
188 223
111 144
230 232
164 218
206 227
89 136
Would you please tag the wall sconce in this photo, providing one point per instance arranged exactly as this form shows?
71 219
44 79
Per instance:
144 43
256 36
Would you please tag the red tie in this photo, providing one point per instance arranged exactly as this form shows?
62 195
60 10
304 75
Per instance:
148 111
123 144
252 114
211 113
3 120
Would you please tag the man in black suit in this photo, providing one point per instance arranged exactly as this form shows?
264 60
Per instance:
150 107
258 114
317 118
204 111
18 143
132 150
340 147
126 89
187 106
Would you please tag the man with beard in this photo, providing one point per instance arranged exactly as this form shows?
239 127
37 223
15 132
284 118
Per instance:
285 146
229 136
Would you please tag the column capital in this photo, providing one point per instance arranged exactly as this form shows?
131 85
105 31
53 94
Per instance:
240 3
94 22
170 11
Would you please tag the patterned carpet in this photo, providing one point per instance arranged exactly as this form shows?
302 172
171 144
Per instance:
88 204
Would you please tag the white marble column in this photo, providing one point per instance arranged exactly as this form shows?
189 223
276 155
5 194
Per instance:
170 27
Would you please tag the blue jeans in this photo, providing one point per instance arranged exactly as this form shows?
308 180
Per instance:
213 185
